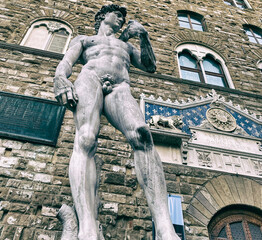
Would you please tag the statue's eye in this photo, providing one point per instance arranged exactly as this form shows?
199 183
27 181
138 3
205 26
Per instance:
119 14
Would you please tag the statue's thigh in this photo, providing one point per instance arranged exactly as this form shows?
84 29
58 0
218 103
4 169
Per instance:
122 110
90 102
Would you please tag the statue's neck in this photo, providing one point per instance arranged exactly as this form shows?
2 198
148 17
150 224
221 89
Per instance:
105 30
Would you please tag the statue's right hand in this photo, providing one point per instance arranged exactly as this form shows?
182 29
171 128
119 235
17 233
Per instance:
65 93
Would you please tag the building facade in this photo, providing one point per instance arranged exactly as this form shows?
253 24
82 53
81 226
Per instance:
203 106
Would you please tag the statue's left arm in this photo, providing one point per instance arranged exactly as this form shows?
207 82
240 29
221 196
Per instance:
145 59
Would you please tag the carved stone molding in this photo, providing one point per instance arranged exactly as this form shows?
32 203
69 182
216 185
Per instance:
184 151
204 159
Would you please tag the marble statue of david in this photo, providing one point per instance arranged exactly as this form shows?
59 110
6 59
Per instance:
103 87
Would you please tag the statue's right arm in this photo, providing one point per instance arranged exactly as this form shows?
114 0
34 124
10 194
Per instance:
65 92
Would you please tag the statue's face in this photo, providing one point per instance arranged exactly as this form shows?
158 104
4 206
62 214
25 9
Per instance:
114 19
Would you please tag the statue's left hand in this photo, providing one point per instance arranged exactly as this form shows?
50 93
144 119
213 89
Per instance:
133 29
65 93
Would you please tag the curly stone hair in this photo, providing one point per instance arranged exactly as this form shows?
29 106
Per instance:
100 16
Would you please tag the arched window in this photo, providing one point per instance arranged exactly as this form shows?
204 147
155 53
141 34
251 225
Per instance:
254 34
236 222
48 35
214 72
243 4
191 20
200 64
190 68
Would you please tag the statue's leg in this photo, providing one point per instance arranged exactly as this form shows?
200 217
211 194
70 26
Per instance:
124 113
82 168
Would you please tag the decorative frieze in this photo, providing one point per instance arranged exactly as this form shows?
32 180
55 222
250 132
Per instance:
223 137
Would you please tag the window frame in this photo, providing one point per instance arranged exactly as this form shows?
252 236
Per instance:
197 70
52 26
234 4
251 28
200 52
222 74
194 15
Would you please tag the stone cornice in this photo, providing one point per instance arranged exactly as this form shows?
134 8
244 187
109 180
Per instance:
30 50
59 56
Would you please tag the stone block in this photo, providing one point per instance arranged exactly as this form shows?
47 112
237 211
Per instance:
8 162
25 220
128 211
8 232
44 235
144 212
25 175
118 189
131 181
172 187
28 234
49 211
60 181
36 166
138 224
55 225
131 200
19 195
170 177
65 191
50 189
113 197
61 170
12 144
60 199
44 178
186 189
196 180
141 201
12 218
110 207
198 215
115 178
42 198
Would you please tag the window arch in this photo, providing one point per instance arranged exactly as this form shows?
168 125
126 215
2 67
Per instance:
191 20
200 64
48 35
242 4
254 33
236 222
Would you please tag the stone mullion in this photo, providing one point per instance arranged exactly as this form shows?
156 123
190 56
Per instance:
189 20
228 231
246 230
254 36
203 74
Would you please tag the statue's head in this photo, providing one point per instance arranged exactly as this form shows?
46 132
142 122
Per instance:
100 16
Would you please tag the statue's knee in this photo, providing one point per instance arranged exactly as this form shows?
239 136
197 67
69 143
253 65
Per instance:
142 138
87 141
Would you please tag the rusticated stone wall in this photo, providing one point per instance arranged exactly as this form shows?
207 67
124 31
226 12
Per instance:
224 32
34 178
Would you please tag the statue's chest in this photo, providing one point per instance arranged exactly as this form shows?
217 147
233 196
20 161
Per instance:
105 42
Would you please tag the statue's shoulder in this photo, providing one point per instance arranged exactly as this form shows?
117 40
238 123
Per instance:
77 39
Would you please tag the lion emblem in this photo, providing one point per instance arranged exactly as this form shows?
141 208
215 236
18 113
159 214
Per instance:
174 122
